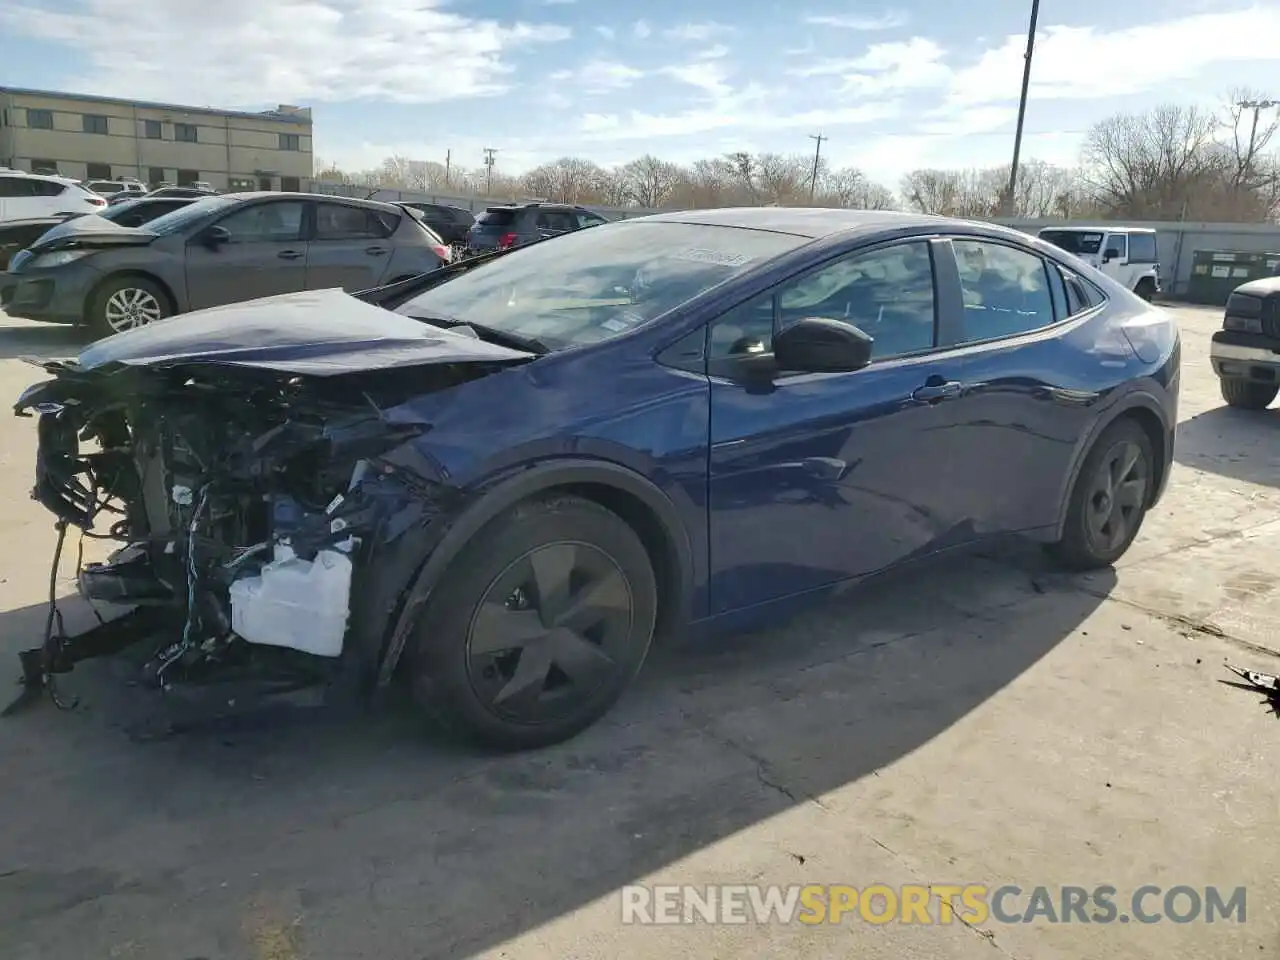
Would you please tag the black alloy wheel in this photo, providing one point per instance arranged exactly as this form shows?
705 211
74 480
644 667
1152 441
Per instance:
550 629
1110 498
537 626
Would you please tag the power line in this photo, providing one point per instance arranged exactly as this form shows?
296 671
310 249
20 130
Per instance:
489 161
1257 106
817 152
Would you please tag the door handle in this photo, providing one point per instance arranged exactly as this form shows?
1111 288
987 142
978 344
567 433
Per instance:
289 254
937 392
375 251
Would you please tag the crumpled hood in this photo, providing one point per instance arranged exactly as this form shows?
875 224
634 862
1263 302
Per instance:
91 230
316 333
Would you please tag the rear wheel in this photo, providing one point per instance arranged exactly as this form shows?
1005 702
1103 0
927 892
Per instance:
1146 289
124 303
1246 394
537 627
1109 500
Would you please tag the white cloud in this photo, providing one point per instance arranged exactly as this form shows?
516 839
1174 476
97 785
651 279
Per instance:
886 68
643 126
599 76
607 32
718 52
889 20
696 32
641 30
709 76
406 51
1086 63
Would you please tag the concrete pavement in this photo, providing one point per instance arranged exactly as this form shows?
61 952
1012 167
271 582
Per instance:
988 721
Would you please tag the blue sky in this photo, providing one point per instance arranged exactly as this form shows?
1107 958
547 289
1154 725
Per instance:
894 86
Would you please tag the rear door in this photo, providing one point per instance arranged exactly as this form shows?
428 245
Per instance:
25 197
1030 384
349 247
265 255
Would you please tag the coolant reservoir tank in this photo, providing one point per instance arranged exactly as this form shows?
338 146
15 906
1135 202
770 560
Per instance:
295 603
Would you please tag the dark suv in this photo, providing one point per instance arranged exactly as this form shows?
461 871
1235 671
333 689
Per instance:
451 223
509 225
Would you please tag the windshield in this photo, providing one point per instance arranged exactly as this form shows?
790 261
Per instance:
1073 241
591 285
184 217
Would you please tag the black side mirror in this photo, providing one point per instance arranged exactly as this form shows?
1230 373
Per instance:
214 237
1111 254
821 345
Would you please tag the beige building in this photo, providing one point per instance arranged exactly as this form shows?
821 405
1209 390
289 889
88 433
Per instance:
100 138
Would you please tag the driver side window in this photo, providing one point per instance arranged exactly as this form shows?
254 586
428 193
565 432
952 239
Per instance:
275 220
887 293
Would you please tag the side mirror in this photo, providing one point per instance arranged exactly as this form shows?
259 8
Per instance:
214 237
821 345
1111 253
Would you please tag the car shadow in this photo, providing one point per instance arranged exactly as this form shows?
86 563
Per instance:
1240 444
18 339
352 832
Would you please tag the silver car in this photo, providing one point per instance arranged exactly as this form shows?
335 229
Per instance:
223 249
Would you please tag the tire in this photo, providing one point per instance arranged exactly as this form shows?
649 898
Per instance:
127 302
1146 289
463 672
1087 543
1246 394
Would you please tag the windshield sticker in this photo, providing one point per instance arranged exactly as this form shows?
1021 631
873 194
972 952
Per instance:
623 321
718 257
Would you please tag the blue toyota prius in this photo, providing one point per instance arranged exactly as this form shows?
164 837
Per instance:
503 479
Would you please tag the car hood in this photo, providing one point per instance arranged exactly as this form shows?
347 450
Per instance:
91 230
316 333
1262 287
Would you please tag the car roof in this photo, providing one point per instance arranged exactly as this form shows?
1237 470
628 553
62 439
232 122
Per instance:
39 176
1108 228
812 222
384 205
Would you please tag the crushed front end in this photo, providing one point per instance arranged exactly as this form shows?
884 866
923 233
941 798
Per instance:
250 507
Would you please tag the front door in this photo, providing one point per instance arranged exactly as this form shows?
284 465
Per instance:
348 248
1115 258
264 254
816 478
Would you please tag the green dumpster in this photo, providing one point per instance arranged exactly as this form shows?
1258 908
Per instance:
1215 273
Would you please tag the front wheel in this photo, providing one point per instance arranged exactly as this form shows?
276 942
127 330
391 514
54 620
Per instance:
1109 500
1247 394
124 303
537 627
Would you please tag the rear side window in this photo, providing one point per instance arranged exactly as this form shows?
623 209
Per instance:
336 221
1006 291
497 218
47 188
1081 295
1142 248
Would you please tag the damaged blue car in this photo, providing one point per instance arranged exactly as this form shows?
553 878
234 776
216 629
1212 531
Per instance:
502 480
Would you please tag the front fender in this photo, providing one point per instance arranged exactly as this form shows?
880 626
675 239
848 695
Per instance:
499 494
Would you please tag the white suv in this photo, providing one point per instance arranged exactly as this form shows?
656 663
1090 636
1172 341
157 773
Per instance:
1128 255
27 195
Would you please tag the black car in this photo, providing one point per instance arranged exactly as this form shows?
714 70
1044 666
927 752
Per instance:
451 223
512 224
195 193
17 235
137 211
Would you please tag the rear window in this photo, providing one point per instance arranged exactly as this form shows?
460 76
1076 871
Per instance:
1142 248
1074 241
497 218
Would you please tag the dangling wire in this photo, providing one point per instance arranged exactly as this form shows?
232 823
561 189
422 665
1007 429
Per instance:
53 622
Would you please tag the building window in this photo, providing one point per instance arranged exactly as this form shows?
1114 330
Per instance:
45 166
290 141
290 184
187 178
151 129
93 123
184 132
155 176
40 119
98 171
236 184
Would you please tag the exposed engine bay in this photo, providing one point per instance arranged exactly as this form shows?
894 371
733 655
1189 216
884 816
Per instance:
247 503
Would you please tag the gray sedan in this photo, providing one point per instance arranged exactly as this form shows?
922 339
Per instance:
220 250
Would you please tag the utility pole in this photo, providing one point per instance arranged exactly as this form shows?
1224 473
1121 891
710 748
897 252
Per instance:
817 138
1022 108
489 161
1257 106
448 157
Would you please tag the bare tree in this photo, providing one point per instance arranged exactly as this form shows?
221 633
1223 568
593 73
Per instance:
651 181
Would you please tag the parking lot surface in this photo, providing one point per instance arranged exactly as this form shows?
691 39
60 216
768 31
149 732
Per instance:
983 721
